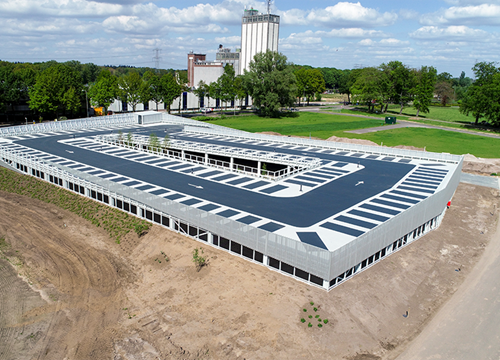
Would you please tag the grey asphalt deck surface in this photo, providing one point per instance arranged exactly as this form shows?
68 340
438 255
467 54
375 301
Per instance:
487 181
303 211
467 326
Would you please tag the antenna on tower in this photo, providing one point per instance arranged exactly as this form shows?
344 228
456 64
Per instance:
269 6
157 58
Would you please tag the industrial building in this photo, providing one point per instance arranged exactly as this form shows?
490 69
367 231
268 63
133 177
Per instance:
259 33
317 211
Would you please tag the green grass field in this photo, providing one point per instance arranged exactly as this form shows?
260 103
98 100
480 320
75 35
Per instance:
325 125
450 114
318 125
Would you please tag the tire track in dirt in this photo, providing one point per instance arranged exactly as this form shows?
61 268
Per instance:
82 283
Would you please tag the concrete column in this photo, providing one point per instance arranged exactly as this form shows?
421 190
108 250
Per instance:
266 260
231 163
210 238
206 159
326 284
182 154
259 166
288 170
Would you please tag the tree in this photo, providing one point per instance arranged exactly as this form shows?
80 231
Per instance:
309 83
71 100
239 89
400 81
461 85
154 142
344 84
424 88
182 80
493 113
170 90
199 91
367 87
301 77
226 83
444 91
132 89
152 87
166 142
270 82
130 139
104 91
478 100
10 85
55 89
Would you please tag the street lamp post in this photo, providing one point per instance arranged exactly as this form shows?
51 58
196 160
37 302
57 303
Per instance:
86 102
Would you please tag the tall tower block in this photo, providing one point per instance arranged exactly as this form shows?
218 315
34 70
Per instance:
259 33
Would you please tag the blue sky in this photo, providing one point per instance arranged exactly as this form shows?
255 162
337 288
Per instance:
448 34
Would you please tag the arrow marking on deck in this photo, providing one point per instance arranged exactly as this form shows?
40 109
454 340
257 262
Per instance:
196 186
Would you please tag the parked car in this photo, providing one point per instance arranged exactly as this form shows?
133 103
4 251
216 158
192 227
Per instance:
206 110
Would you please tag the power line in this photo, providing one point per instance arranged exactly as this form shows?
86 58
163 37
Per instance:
157 58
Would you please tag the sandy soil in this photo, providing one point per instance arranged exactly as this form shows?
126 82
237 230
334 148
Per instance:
82 296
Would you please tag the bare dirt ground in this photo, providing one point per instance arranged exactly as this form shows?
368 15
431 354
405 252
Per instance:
82 296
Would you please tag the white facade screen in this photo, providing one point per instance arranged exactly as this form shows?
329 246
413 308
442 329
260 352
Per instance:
259 33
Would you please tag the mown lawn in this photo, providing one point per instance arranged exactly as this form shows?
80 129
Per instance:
324 125
436 141
317 125
451 114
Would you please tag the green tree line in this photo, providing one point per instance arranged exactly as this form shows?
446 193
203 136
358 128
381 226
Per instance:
55 89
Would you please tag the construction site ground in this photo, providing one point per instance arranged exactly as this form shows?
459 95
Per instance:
68 291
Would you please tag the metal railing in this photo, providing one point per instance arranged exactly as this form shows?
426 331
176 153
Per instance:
307 257
68 125
330 145
176 149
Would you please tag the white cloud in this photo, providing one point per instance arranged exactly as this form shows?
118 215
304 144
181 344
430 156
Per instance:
340 33
345 14
57 8
408 14
391 42
484 14
451 33
47 26
471 2
228 41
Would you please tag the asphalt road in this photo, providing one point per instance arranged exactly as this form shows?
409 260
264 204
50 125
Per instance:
468 325
303 211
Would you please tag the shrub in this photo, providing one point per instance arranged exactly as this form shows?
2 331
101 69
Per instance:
325 321
141 228
310 316
199 260
302 320
319 325
311 303
305 310
315 309
309 325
